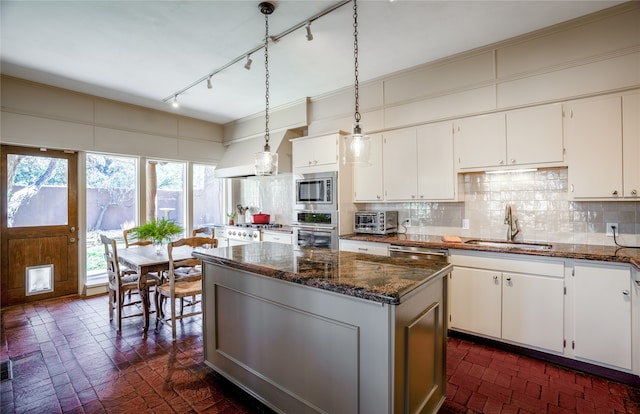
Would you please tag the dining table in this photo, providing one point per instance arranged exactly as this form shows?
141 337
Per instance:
148 259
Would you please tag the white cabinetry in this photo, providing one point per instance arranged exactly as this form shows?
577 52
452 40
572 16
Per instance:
603 147
594 145
436 171
631 144
418 164
602 314
481 141
277 237
367 179
509 297
400 162
476 304
523 137
358 246
316 154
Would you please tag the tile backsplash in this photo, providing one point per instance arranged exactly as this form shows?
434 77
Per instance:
540 201
270 195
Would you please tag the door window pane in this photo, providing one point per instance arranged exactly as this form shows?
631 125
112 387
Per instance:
207 196
37 191
112 197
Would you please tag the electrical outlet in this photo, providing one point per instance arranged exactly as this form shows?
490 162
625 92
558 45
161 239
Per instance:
610 229
465 224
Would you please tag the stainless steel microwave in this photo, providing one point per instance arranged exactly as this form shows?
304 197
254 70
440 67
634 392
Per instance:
316 191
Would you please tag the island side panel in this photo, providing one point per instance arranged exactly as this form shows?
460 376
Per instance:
420 348
298 349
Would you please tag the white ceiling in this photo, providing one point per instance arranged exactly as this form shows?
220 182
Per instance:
142 52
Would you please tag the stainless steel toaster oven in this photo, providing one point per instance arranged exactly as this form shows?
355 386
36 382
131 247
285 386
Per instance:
375 222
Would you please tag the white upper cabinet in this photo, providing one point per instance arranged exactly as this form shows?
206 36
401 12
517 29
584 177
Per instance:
594 147
316 154
523 137
534 135
418 164
400 165
436 171
631 144
367 179
481 141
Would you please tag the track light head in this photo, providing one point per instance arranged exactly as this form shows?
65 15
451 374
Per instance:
209 85
247 65
309 34
175 103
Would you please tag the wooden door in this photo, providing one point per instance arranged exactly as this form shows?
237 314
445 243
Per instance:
39 242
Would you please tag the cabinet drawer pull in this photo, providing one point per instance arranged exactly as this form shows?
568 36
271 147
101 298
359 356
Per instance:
363 249
625 292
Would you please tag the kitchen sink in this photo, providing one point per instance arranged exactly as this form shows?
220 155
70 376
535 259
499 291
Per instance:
510 245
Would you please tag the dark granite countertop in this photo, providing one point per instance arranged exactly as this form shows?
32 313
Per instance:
376 278
563 250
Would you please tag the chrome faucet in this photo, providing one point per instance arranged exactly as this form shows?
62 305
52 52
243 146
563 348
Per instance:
514 226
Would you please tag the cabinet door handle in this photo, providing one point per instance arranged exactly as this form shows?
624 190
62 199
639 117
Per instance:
363 249
614 192
513 160
500 162
495 279
625 292
634 192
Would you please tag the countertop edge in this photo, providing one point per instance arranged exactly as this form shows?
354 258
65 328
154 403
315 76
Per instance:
561 250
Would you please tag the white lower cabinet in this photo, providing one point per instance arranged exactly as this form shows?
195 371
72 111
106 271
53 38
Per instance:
476 304
277 237
510 298
602 314
532 309
357 246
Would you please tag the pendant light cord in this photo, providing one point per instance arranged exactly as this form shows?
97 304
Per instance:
355 58
266 82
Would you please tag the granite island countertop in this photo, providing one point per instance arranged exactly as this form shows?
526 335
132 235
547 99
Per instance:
376 278
563 250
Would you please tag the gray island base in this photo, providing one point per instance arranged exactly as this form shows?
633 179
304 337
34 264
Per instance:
324 331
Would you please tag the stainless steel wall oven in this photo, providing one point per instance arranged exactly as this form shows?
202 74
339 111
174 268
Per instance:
315 229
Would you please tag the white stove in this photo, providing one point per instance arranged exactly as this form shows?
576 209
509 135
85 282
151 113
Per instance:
247 232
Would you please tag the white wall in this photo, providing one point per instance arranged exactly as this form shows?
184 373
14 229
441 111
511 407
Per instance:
38 115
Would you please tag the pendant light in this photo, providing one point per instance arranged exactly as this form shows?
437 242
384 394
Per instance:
356 147
266 161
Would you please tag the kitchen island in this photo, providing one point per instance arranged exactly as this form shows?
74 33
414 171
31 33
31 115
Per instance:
317 330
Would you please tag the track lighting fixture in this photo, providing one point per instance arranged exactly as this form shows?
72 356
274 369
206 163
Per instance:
175 103
247 55
247 65
309 34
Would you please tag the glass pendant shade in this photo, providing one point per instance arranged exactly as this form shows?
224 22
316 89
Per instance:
356 147
266 163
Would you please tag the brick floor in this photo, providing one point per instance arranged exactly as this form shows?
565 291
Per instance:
68 358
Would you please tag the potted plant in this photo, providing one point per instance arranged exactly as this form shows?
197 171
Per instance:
158 231
232 217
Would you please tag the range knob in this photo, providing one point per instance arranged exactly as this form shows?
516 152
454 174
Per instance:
255 235
244 234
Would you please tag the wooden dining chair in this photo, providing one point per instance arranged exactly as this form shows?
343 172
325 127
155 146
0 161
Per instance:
127 243
120 284
180 285
201 230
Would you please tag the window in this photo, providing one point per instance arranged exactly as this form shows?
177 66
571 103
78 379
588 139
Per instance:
208 201
166 199
111 196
